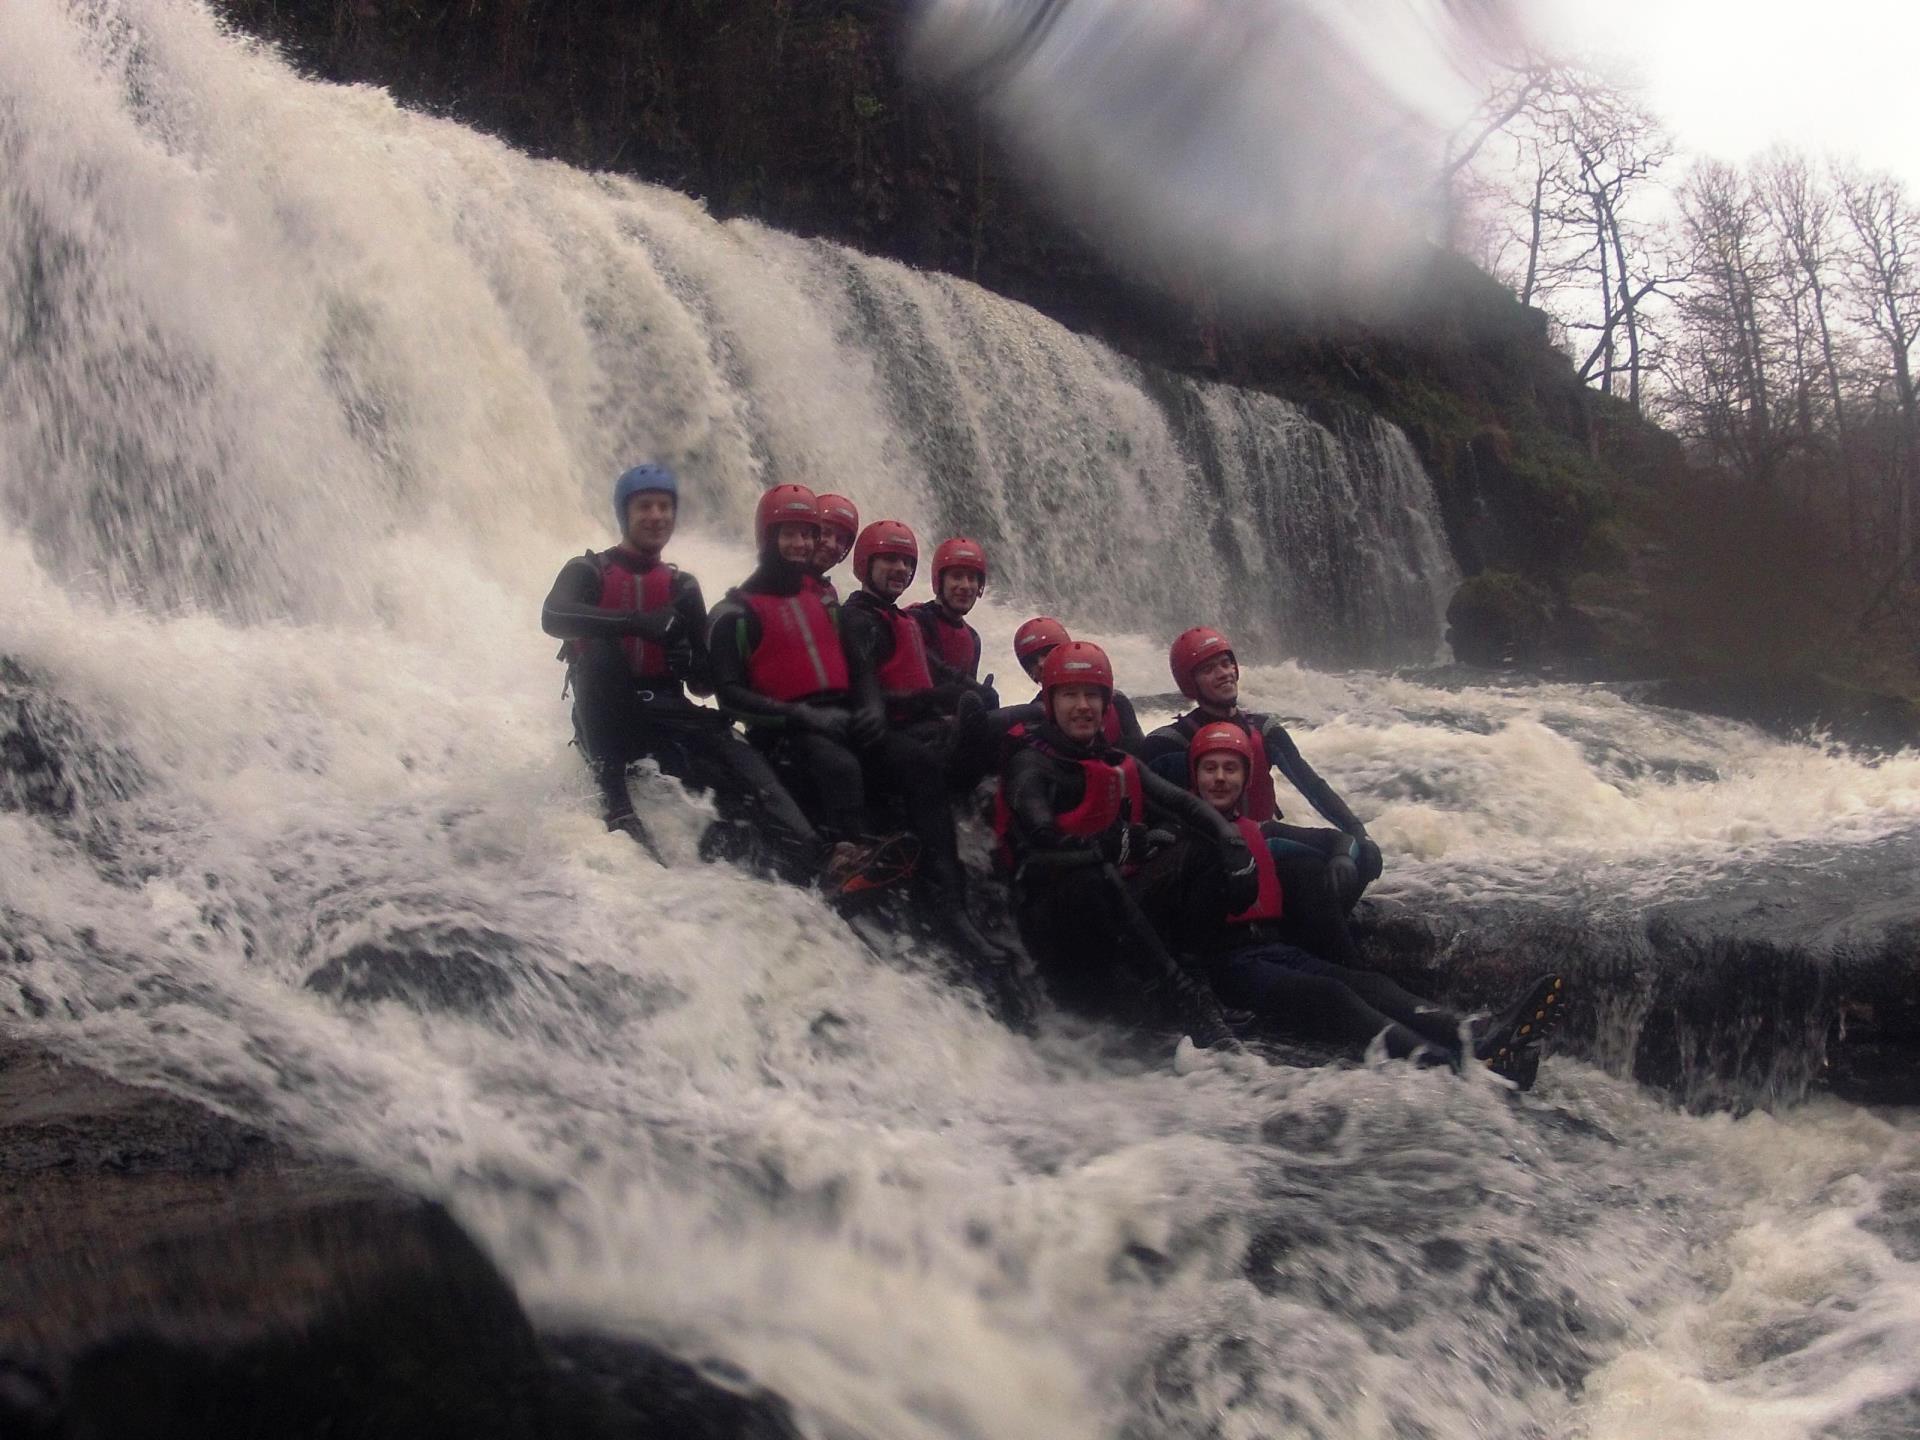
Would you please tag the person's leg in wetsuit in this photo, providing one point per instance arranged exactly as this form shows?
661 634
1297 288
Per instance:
1317 1000
696 746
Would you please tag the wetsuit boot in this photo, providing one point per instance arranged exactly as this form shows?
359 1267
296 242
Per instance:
617 803
1511 1045
1200 1012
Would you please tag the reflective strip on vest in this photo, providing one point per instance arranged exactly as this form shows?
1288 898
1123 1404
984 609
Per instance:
1266 905
799 652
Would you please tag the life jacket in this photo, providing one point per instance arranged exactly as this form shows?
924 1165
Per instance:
1266 905
823 586
1260 803
1113 796
955 641
627 590
799 653
906 672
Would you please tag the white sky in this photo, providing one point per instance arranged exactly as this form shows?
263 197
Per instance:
1732 77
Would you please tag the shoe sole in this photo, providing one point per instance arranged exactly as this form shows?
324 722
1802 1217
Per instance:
1539 1015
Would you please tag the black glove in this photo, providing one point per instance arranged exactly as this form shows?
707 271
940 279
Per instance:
820 720
1367 860
680 658
1243 875
866 727
665 626
989 696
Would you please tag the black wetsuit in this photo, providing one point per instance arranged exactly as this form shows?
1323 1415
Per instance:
620 719
1325 871
836 749
1083 903
934 618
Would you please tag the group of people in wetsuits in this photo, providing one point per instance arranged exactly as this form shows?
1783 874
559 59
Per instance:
1151 874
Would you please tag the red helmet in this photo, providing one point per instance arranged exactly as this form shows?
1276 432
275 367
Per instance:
1042 632
1192 650
883 537
784 505
1075 662
959 553
839 511
1222 737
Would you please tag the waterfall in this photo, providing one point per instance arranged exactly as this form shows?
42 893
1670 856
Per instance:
298 329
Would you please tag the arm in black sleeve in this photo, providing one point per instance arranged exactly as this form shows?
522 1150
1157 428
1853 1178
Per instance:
863 636
1167 801
572 609
1286 756
1029 785
1167 740
1131 739
692 605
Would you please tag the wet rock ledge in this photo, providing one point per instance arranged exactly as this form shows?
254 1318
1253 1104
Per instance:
166 1272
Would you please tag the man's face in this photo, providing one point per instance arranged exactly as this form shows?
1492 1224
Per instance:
1078 711
1218 681
889 575
833 547
650 516
1220 779
1034 661
796 542
959 589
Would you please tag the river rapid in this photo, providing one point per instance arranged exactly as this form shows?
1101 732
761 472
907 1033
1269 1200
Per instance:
306 399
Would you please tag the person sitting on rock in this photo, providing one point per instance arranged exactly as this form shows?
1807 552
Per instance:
635 633
1254 966
953 645
1110 915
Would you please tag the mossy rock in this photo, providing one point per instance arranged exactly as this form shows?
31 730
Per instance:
1497 618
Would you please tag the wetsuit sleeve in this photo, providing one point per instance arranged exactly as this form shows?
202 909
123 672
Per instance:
1167 801
732 632
1286 758
692 606
1131 740
572 609
1167 740
864 639
1029 784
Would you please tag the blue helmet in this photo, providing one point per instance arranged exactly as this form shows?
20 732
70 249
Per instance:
636 480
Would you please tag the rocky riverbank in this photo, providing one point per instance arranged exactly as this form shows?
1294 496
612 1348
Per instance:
164 1270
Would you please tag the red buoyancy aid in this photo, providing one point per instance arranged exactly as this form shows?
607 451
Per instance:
625 590
1266 905
799 652
1110 791
906 672
956 642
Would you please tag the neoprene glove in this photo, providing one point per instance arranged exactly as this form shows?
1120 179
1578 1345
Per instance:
1124 844
1367 860
1343 876
1243 875
819 720
989 696
664 626
866 727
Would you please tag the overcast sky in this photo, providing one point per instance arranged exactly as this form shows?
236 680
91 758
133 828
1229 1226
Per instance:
1731 77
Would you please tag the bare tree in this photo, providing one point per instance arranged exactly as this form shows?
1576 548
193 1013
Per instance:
1883 264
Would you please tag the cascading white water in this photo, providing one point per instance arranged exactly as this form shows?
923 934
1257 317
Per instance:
304 401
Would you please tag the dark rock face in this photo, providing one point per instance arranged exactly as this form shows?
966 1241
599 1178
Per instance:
1796 707
1497 618
166 1272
